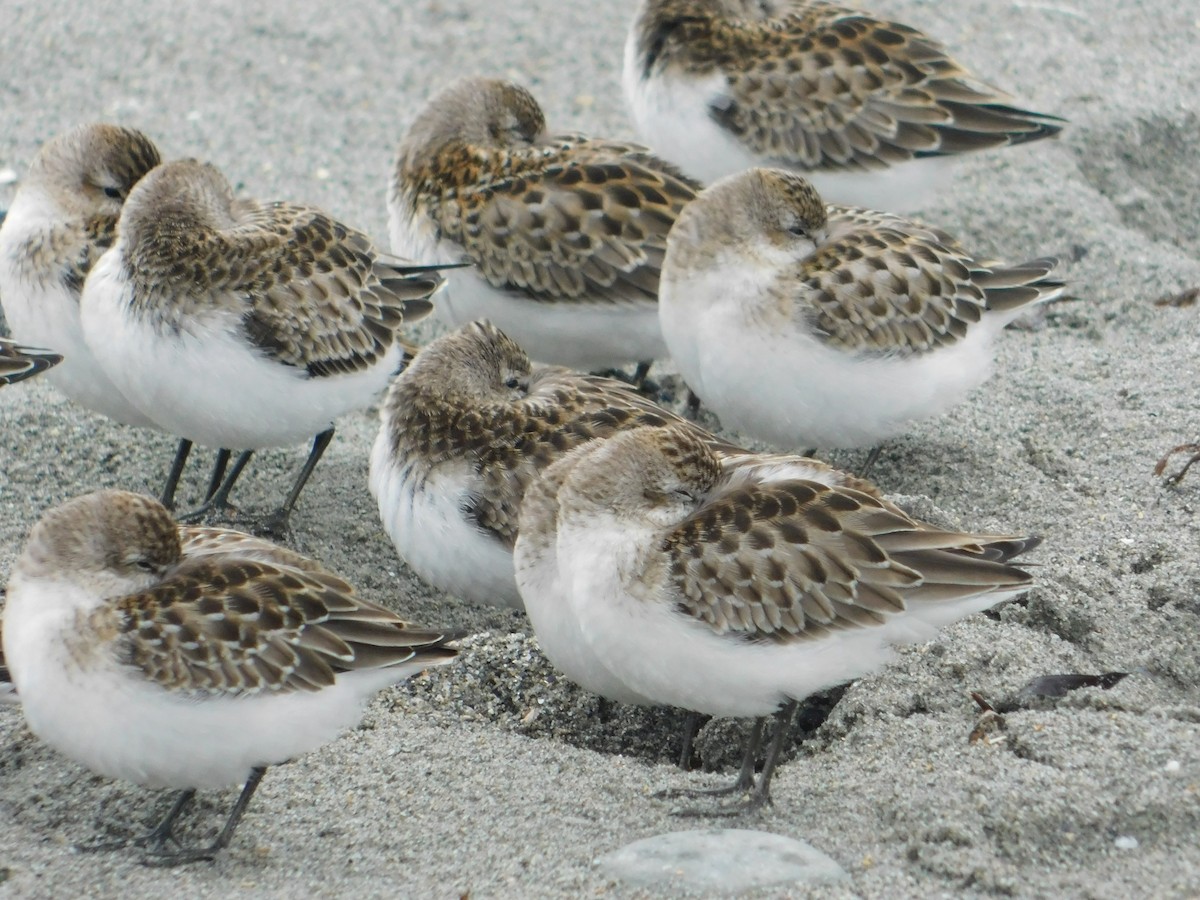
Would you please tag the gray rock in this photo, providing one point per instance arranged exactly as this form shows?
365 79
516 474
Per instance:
721 859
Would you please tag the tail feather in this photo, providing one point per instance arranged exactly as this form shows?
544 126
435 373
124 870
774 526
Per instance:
962 569
1009 288
980 126
966 574
405 268
18 363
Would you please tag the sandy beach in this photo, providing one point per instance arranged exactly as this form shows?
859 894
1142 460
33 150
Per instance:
495 778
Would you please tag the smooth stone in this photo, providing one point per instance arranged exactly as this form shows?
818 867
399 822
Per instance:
723 859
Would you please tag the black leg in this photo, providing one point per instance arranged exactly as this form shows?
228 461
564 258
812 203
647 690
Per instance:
604 709
277 524
168 492
872 458
220 499
154 839
637 380
320 442
756 796
783 727
209 853
220 464
647 386
693 405
640 373
691 725
163 831
740 785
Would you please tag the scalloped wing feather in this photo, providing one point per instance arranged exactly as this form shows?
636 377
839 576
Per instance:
796 560
831 88
562 411
241 626
885 285
316 294
585 221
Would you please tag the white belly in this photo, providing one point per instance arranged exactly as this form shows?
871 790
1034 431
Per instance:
422 512
558 629
46 314
108 718
210 386
788 388
581 335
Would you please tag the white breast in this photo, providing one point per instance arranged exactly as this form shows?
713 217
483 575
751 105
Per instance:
44 312
781 384
206 383
109 718
422 511
559 630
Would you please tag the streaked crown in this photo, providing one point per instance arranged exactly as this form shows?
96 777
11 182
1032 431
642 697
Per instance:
94 165
484 112
658 474
750 213
180 195
114 541
475 362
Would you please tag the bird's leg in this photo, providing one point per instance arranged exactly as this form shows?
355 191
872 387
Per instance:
164 830
691 725
756 795
743 782
154 839
220 464
276 525
638 380
604 709
168 492
872 458
208 853
783 726
640 373
219 500
647 386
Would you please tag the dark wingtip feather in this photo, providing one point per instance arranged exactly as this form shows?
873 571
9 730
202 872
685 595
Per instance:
1003 551
1011 287
404 267
988 125
18 363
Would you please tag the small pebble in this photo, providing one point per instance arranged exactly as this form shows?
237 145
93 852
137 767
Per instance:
1126 842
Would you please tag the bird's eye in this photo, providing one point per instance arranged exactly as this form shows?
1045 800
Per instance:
798 229
114 193
512 383
145 565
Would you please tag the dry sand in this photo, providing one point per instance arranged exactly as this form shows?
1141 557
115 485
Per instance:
496 779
